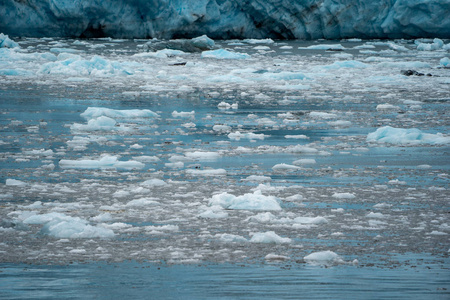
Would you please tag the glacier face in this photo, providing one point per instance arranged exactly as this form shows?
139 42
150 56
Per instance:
225 19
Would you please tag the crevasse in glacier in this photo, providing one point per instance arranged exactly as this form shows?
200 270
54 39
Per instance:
224 19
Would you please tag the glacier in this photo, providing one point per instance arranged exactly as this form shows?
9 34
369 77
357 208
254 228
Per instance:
226 19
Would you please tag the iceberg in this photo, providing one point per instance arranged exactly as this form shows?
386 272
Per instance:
403 136
6 42
227 19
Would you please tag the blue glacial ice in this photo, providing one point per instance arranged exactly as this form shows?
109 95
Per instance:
301 19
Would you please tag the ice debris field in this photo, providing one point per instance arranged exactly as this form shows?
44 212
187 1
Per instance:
240 151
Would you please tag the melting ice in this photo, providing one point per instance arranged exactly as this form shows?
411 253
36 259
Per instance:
326 153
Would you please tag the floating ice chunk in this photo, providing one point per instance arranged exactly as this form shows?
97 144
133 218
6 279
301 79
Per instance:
375 215
282 76
104 217
436 45
222 128
445 62
324 258
183 114
305 161
305 150
224 54
96 66
324 47
100 123
96 112
203 42
231 238
403 136
258 41
249 135
154 182
142 202
321 115
310 220
214 212
353 64
340 123
266 217
285 167
106 161
397 47
276 257
145 158
255 201
268 237
424 167
202 155
224 105
189 125
298 136
63 226
6 42
343 196
175 165
257 178
207 172
40 152
15 182
136 146
397 182
387 106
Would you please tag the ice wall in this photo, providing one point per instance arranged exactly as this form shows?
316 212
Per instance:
302 19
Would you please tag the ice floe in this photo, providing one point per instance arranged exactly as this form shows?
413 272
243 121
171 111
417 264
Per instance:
403 136
254 201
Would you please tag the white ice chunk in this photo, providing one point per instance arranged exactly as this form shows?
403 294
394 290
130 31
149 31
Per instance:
183 114
154 182
203 42
202 155
322 115
106 161
324 47
310 220
343 196
268 237
387 106
231 238
285 167
63 226
222 128
99 123
413 136
95 112
248 135
276 257
14 182
326 258
436 45
305 161
6 42
255 201
257 178
298 136
207 172
224 54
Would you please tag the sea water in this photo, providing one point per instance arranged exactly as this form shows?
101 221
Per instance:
182 175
